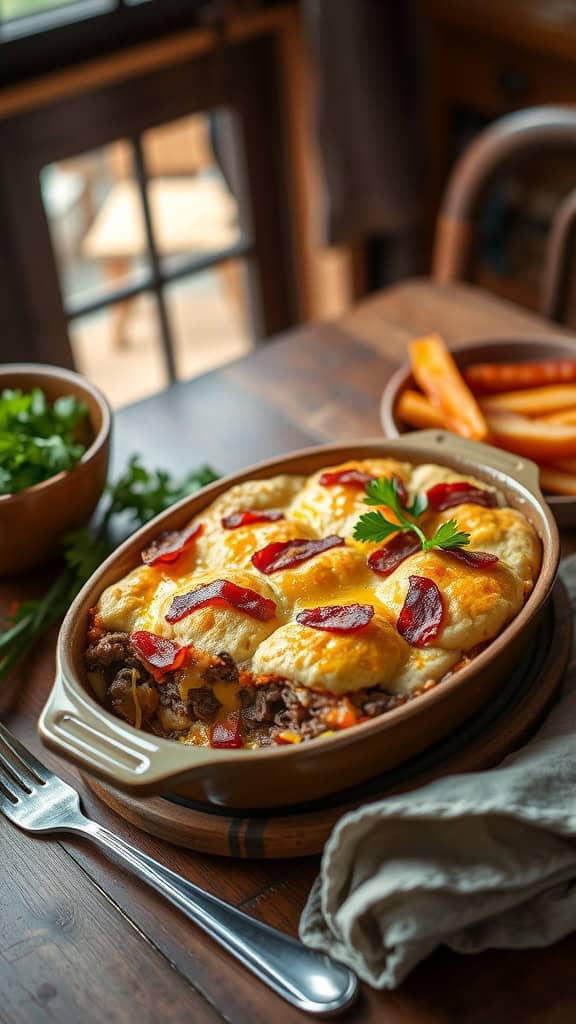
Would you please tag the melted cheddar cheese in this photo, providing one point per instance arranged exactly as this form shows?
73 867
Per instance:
478 603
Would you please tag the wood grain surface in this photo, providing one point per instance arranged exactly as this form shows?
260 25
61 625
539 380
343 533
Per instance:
82 941
520 705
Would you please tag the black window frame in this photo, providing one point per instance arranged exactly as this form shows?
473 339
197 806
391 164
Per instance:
33 311
50 40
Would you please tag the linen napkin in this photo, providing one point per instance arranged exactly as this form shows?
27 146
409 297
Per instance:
473 861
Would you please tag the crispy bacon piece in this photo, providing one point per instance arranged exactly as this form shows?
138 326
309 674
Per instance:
226 735
163 655
474 559
347 477
385 560
222 592
422 615
288 553
167 547
443 496
401 488
251 516
337 618
358 478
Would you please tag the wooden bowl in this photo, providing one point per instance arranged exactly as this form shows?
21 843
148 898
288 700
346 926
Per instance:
33 521
78 727
506 350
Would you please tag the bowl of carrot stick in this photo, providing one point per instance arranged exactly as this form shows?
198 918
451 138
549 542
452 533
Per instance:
516 394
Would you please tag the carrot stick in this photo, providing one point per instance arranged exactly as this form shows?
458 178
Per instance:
414 409
566 465
533 401
534 439
439 378
566 416
491 378
555 481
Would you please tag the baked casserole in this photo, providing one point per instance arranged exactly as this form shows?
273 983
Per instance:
268 619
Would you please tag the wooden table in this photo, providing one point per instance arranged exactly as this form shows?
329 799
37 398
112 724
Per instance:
81 940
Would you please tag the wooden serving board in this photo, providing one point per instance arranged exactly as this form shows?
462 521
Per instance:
507 720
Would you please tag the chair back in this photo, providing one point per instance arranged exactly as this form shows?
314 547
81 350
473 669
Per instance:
518 134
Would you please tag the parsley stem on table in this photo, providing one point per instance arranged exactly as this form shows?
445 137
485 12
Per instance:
138 495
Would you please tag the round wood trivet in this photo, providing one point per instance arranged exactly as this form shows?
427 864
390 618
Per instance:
501 726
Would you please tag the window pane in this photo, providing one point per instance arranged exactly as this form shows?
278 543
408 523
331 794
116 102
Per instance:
119 350
20 8
96 222
209 318
194 211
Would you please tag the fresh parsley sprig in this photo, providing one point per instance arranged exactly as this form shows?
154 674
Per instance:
374 527
138 495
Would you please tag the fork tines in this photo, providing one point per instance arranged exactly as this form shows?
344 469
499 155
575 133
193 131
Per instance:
19 769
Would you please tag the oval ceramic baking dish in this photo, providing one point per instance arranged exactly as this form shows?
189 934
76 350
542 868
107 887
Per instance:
78 727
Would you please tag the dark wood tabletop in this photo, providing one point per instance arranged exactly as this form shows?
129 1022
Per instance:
80 940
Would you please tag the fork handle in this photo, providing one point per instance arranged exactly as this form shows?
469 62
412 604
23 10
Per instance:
309 980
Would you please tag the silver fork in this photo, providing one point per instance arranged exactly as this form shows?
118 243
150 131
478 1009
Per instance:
36 800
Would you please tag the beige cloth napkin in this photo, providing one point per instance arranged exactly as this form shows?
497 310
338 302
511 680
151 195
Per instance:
472 861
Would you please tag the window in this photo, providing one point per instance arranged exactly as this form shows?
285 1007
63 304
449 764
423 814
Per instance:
43 35
23 8
148 245
129 206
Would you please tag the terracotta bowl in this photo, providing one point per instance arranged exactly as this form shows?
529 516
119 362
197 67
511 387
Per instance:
32 521
78 727
506 350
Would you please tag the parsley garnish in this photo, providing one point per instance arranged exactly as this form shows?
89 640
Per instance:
373 526
139 494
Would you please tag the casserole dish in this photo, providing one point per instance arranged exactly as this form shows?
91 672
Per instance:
78 727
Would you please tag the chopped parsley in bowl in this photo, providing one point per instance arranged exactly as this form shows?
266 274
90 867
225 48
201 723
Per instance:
54 448
38 438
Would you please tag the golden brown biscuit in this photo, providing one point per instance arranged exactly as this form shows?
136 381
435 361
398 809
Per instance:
337 508
478 602
337 576
339 663
139 602
501 531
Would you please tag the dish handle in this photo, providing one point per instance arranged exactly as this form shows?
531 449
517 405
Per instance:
523 470
74 725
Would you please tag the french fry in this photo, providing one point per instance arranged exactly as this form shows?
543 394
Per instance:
439 378
491 378
534 439
567 416
566 466
533 401
555 481
415 410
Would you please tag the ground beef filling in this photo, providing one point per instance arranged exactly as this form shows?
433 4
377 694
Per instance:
268 709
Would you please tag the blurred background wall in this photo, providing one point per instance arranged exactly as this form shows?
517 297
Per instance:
181 179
